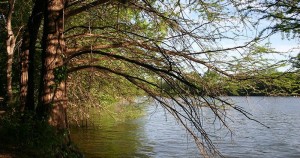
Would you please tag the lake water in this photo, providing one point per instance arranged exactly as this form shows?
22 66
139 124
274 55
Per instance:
158 135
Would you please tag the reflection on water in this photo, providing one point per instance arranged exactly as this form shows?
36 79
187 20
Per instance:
119 140
158 135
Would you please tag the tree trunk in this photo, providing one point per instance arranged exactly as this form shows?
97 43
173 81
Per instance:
10 46
27 56
53 96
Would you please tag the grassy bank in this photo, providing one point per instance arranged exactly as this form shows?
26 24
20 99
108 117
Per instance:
110 113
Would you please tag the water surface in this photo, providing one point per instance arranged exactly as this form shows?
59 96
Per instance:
158 135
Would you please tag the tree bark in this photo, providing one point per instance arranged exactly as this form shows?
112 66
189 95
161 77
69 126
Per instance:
53 96
10 46
27 56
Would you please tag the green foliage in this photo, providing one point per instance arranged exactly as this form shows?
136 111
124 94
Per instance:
118 112
148 41
107 114
20 15
284 15
108 98
60 74
296 61
210 84
270 84
32 136
25 135
267 83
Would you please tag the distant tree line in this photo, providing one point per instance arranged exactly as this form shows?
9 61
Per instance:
59 54
271 84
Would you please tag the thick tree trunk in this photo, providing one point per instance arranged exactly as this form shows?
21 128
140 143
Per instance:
53 96
27 56
10 46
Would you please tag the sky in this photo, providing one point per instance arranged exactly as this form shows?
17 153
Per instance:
285 47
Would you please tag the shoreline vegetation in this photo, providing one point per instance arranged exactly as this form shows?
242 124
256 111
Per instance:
271 83
14 132
35 138
66 62
111 113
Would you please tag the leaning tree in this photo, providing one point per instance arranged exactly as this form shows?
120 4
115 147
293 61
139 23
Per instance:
145 42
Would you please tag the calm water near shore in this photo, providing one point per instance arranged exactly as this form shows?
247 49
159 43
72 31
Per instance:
158 135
